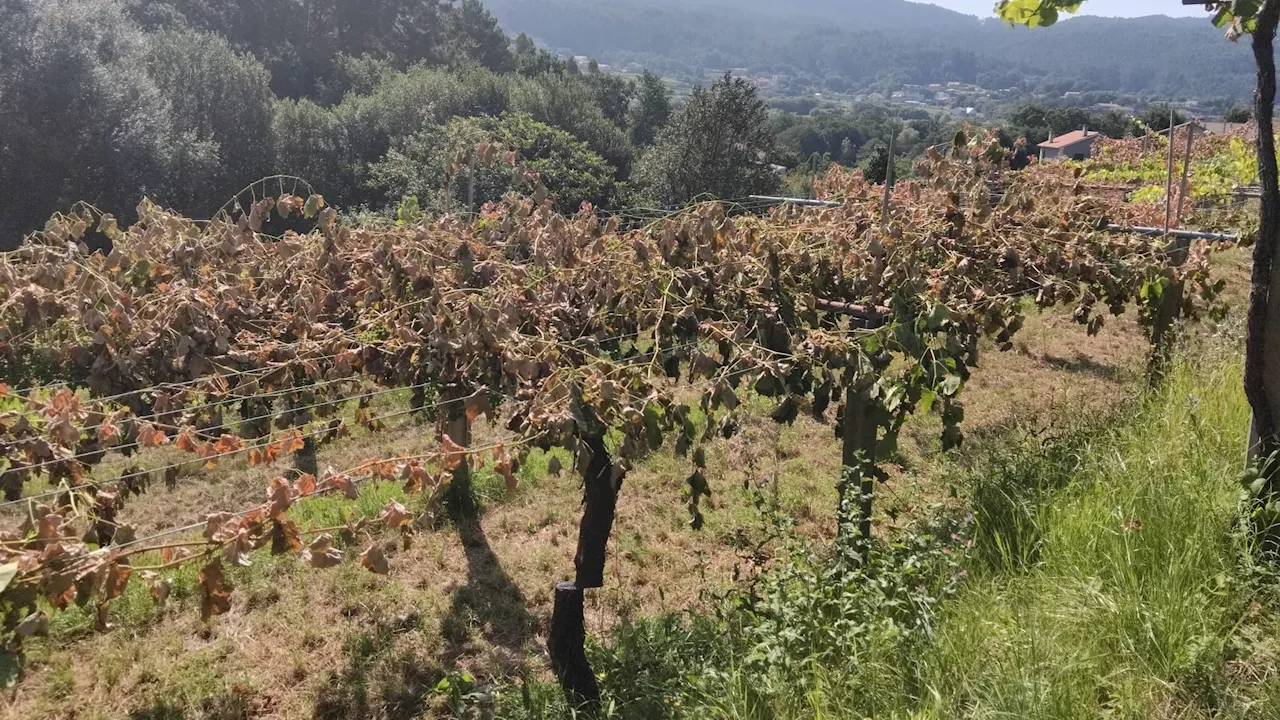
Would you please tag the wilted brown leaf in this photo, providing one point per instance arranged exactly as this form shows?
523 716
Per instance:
321 553
478 404
159 589
503 466
305 485
115 580
340 482
186 440
292 442
215 591
221 527
174 554
395 515
453 453
236 551
149 436
279 497
286 537
60 589
415 478
228 444
375 560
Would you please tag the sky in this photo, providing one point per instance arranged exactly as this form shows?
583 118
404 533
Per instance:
1109 8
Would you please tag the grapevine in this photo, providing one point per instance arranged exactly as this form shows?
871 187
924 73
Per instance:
568 329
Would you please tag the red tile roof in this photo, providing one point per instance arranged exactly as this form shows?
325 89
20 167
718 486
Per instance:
1068 139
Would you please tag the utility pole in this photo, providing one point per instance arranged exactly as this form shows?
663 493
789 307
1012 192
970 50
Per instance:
471 185
1168 182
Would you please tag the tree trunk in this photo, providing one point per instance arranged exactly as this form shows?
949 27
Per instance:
858 436
600 499
1262 353
305 461
458 498
565 645
1167 315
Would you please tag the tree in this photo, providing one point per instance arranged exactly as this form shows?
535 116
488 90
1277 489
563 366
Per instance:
651 111
719 144
309 141
474 34
418 165
1156 116
612 93
80 118
1238 114
1259 19
875 163
302 42
216 96
567 102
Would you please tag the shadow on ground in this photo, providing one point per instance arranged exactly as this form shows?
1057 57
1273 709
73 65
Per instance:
381 680
1087 366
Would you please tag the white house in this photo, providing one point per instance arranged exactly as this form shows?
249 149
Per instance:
1075 145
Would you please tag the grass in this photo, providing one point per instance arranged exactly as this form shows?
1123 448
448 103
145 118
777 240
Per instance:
1121 593
1101 575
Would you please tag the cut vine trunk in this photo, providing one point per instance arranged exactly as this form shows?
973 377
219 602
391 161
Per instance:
566 645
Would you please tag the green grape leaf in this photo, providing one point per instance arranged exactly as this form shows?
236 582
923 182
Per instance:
7 573
10 669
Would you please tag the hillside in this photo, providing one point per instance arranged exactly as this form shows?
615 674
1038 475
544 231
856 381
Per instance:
854 46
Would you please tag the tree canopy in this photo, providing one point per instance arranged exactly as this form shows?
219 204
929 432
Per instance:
719 143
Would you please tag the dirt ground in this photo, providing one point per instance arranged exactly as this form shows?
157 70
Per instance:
345 643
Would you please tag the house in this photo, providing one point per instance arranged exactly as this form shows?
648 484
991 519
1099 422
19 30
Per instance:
1075 145
1225 128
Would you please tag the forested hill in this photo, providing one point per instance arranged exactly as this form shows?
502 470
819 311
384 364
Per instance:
855 45
187 102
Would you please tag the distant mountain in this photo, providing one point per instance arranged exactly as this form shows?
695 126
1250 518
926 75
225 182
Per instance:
849 45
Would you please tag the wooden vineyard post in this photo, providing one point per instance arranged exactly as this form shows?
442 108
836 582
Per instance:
454 424
1186 171
566 644
471 186
858 436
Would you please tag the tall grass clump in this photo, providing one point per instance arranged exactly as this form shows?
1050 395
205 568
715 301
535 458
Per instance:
1113 591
